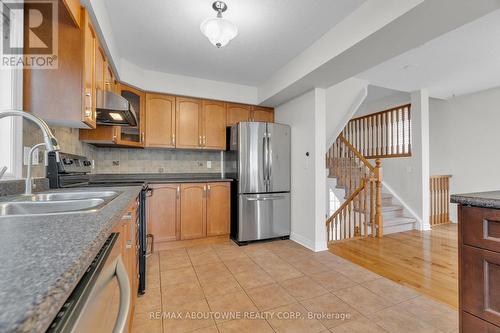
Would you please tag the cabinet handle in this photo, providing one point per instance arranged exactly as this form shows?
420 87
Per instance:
149 192
209 189
204 140
173 139
127 216
129 244
142 137
178 192
205 190
199 140
88 108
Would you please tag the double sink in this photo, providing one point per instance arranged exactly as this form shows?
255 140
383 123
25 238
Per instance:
49 203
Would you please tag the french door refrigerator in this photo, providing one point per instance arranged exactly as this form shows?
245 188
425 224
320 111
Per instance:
261 191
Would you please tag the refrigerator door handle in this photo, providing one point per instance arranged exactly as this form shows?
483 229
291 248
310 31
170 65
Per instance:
265 160
266 199
269 160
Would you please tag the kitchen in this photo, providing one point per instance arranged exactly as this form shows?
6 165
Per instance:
162 169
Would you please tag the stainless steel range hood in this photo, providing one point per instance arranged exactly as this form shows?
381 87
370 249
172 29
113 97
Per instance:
113 109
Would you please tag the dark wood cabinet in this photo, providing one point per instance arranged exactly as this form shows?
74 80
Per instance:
479 269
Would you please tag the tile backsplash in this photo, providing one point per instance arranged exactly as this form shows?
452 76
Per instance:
124 160
113 160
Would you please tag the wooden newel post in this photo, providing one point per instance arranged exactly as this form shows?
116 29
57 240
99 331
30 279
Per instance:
378 199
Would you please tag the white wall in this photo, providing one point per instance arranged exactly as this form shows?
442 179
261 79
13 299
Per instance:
464 138
306 116
185 85
342 101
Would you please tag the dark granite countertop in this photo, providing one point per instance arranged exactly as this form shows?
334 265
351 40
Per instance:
158 178
481 199
44 257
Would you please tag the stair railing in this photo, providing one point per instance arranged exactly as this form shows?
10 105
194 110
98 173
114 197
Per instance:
361 214
384 134
439 199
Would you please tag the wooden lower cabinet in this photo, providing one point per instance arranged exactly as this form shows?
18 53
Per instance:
188 211
163 212
479 269
218 208
193 211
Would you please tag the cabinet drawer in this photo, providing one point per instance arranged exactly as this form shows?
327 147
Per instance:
472 324
480 274
480 227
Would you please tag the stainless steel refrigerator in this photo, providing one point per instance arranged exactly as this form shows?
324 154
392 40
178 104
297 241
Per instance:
261 191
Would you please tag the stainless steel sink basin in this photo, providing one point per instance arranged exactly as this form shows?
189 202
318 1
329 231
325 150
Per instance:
58 196
15 208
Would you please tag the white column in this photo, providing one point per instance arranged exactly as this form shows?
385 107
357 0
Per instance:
420 151
319 172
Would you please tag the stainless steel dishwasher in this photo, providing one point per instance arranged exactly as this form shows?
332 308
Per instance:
100 303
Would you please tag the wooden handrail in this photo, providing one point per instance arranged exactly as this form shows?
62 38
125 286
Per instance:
439 187
383 134
347 202
357 153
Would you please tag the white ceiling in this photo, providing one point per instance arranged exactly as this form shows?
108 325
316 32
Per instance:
462 61
164 35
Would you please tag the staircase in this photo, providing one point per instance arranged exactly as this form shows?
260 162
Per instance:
367 211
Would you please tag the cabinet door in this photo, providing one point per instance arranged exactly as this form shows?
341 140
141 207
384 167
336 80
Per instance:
193 211
214 125
218 208
89 45
99 72
262 114
133 136
163 212
237 113
160 121
109 78
188 123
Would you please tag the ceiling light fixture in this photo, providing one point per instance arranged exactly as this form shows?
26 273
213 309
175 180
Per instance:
218 30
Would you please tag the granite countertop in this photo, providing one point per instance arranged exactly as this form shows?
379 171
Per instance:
481 199
158 178
44 257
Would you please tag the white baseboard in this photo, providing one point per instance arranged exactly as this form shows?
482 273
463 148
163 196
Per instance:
306 242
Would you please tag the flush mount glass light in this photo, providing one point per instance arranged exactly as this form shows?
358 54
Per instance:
218 30
116 116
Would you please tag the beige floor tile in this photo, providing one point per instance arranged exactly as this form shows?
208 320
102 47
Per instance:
356 273
270 296
330 310
393 320
303 288
281 323
200 249
241 264
256 251
152 280
309 266
172 253
332 280
179 275
392 291
245 326
204 259
144 323
151 301
283 272
188 322
211 329
436 314
232 305
220 286
231 253
267 261
176 294
175 262
362 299
206 273
362 325
253 278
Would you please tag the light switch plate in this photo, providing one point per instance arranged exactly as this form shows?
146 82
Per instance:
209 164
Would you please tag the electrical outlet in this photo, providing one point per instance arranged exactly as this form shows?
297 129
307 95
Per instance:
26 154
209 164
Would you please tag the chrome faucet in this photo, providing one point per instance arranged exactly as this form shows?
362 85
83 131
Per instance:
50 141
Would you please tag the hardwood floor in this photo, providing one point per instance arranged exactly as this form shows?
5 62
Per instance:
426 261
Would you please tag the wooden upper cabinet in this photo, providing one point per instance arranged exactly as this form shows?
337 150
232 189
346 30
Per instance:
237 113
100 69
214 125
218 208
89 60
160 121
193 211
74 8
133 136
188 117
163 212
263 114
109 78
